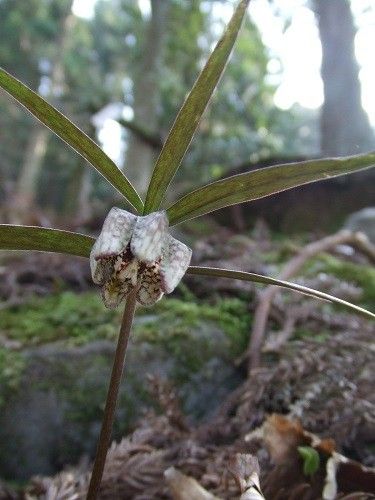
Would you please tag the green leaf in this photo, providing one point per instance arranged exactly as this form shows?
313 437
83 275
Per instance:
45 240
263 182
259 278
188 118
311 459
72 135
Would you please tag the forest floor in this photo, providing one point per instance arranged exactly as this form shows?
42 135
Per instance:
302 422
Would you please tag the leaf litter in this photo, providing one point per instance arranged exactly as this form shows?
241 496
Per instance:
314 392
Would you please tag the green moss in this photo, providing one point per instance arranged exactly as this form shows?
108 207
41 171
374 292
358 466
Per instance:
175 318
12 365
77 318
81 318
198 228
360 275
182 336
185 329
181 327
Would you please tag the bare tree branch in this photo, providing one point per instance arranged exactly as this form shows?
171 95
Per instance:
183 487
245 470
147 136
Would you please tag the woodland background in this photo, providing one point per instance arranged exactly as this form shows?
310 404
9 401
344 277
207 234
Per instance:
122 73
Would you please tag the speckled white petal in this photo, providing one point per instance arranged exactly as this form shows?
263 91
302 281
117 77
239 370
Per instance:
113 239
175 261
116 233
148 238
125 270
114 292
101 270
123 280
150 290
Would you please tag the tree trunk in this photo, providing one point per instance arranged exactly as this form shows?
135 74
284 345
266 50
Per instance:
345 127
77 208
26 187
140 156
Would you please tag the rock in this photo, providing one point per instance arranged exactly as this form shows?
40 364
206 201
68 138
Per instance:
208 388
363 221
54 417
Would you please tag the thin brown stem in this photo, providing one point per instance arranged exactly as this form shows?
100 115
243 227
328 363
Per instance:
110 405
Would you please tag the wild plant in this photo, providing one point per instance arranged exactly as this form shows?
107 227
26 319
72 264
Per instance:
135 258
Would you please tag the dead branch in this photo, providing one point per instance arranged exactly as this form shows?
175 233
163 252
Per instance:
183 487
357 240
245 470
275 342
363 245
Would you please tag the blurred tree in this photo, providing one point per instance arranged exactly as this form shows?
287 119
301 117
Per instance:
147 63
345 127
26 186
57 24
146 95
19 48
241 121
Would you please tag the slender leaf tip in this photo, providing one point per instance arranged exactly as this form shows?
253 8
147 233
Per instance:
188 118
266 280
263 182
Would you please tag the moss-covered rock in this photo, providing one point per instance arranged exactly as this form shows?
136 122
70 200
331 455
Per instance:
12 365
360 275
74 318
54 386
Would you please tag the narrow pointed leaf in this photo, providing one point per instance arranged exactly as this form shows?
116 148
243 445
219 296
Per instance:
263 182
45 240
188 118
259 278
72 135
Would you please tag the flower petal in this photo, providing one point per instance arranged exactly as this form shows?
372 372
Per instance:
116 233
150 290
123 280
125 269
148 237
113 239
175 261
101 270
114 292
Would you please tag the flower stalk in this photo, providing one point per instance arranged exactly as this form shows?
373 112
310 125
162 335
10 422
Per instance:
112 396
135 258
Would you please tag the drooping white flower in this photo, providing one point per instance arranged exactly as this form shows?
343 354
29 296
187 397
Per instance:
137 251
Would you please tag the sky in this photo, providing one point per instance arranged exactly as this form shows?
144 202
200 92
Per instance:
297 48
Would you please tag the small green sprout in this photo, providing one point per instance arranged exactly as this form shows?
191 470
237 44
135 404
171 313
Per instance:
311 460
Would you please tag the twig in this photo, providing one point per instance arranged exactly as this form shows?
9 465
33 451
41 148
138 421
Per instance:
183 487
113 390
245 470
364 245
357 240
274 344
